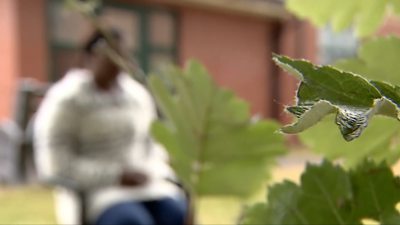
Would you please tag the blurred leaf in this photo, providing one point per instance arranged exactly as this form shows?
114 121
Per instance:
377 59
214 147
330 195
87 7
379 142
365 15
255 214
325 90
181 162
396 6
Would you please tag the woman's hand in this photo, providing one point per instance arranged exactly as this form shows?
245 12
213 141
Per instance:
132 179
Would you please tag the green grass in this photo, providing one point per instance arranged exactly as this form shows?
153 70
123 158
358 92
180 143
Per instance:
26 205
34 204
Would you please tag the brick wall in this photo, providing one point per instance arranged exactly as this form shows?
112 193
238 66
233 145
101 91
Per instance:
8 56
236 50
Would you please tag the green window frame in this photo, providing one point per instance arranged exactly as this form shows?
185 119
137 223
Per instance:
146 51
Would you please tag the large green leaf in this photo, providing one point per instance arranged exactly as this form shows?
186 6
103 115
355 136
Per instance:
330 195
365 15
214 146
325 90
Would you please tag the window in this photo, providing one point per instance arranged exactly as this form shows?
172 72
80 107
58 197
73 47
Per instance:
334 46
149 34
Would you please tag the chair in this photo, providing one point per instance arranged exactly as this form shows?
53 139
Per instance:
10 138
30 90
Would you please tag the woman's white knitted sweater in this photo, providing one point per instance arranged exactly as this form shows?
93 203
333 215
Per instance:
86 137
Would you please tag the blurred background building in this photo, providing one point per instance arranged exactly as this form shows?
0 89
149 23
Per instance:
233 38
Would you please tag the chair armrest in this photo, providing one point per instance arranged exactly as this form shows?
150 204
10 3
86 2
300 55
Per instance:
82 195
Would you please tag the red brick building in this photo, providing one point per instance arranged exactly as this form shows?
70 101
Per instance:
233 38
390 26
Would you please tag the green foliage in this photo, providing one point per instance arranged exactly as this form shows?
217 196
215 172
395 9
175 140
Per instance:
87 8
330 195
255 214
365 15
377 59
215 148
324 90
281 199
379 142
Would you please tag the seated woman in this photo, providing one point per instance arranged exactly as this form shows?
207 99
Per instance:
92 131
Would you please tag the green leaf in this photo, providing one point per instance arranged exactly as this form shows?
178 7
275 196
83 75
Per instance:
329 188
88 7
391 218
308 117
396 6
281 207
330 195
370 16
237 178
214 146
255 214
181 162
335 86
282 201
325 90
377 59
391 92
365 15
378 142
376 191
169 107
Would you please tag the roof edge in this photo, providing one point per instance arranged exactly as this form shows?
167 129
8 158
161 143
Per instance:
266 9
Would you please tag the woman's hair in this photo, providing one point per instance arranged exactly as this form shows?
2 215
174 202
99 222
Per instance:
98 37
